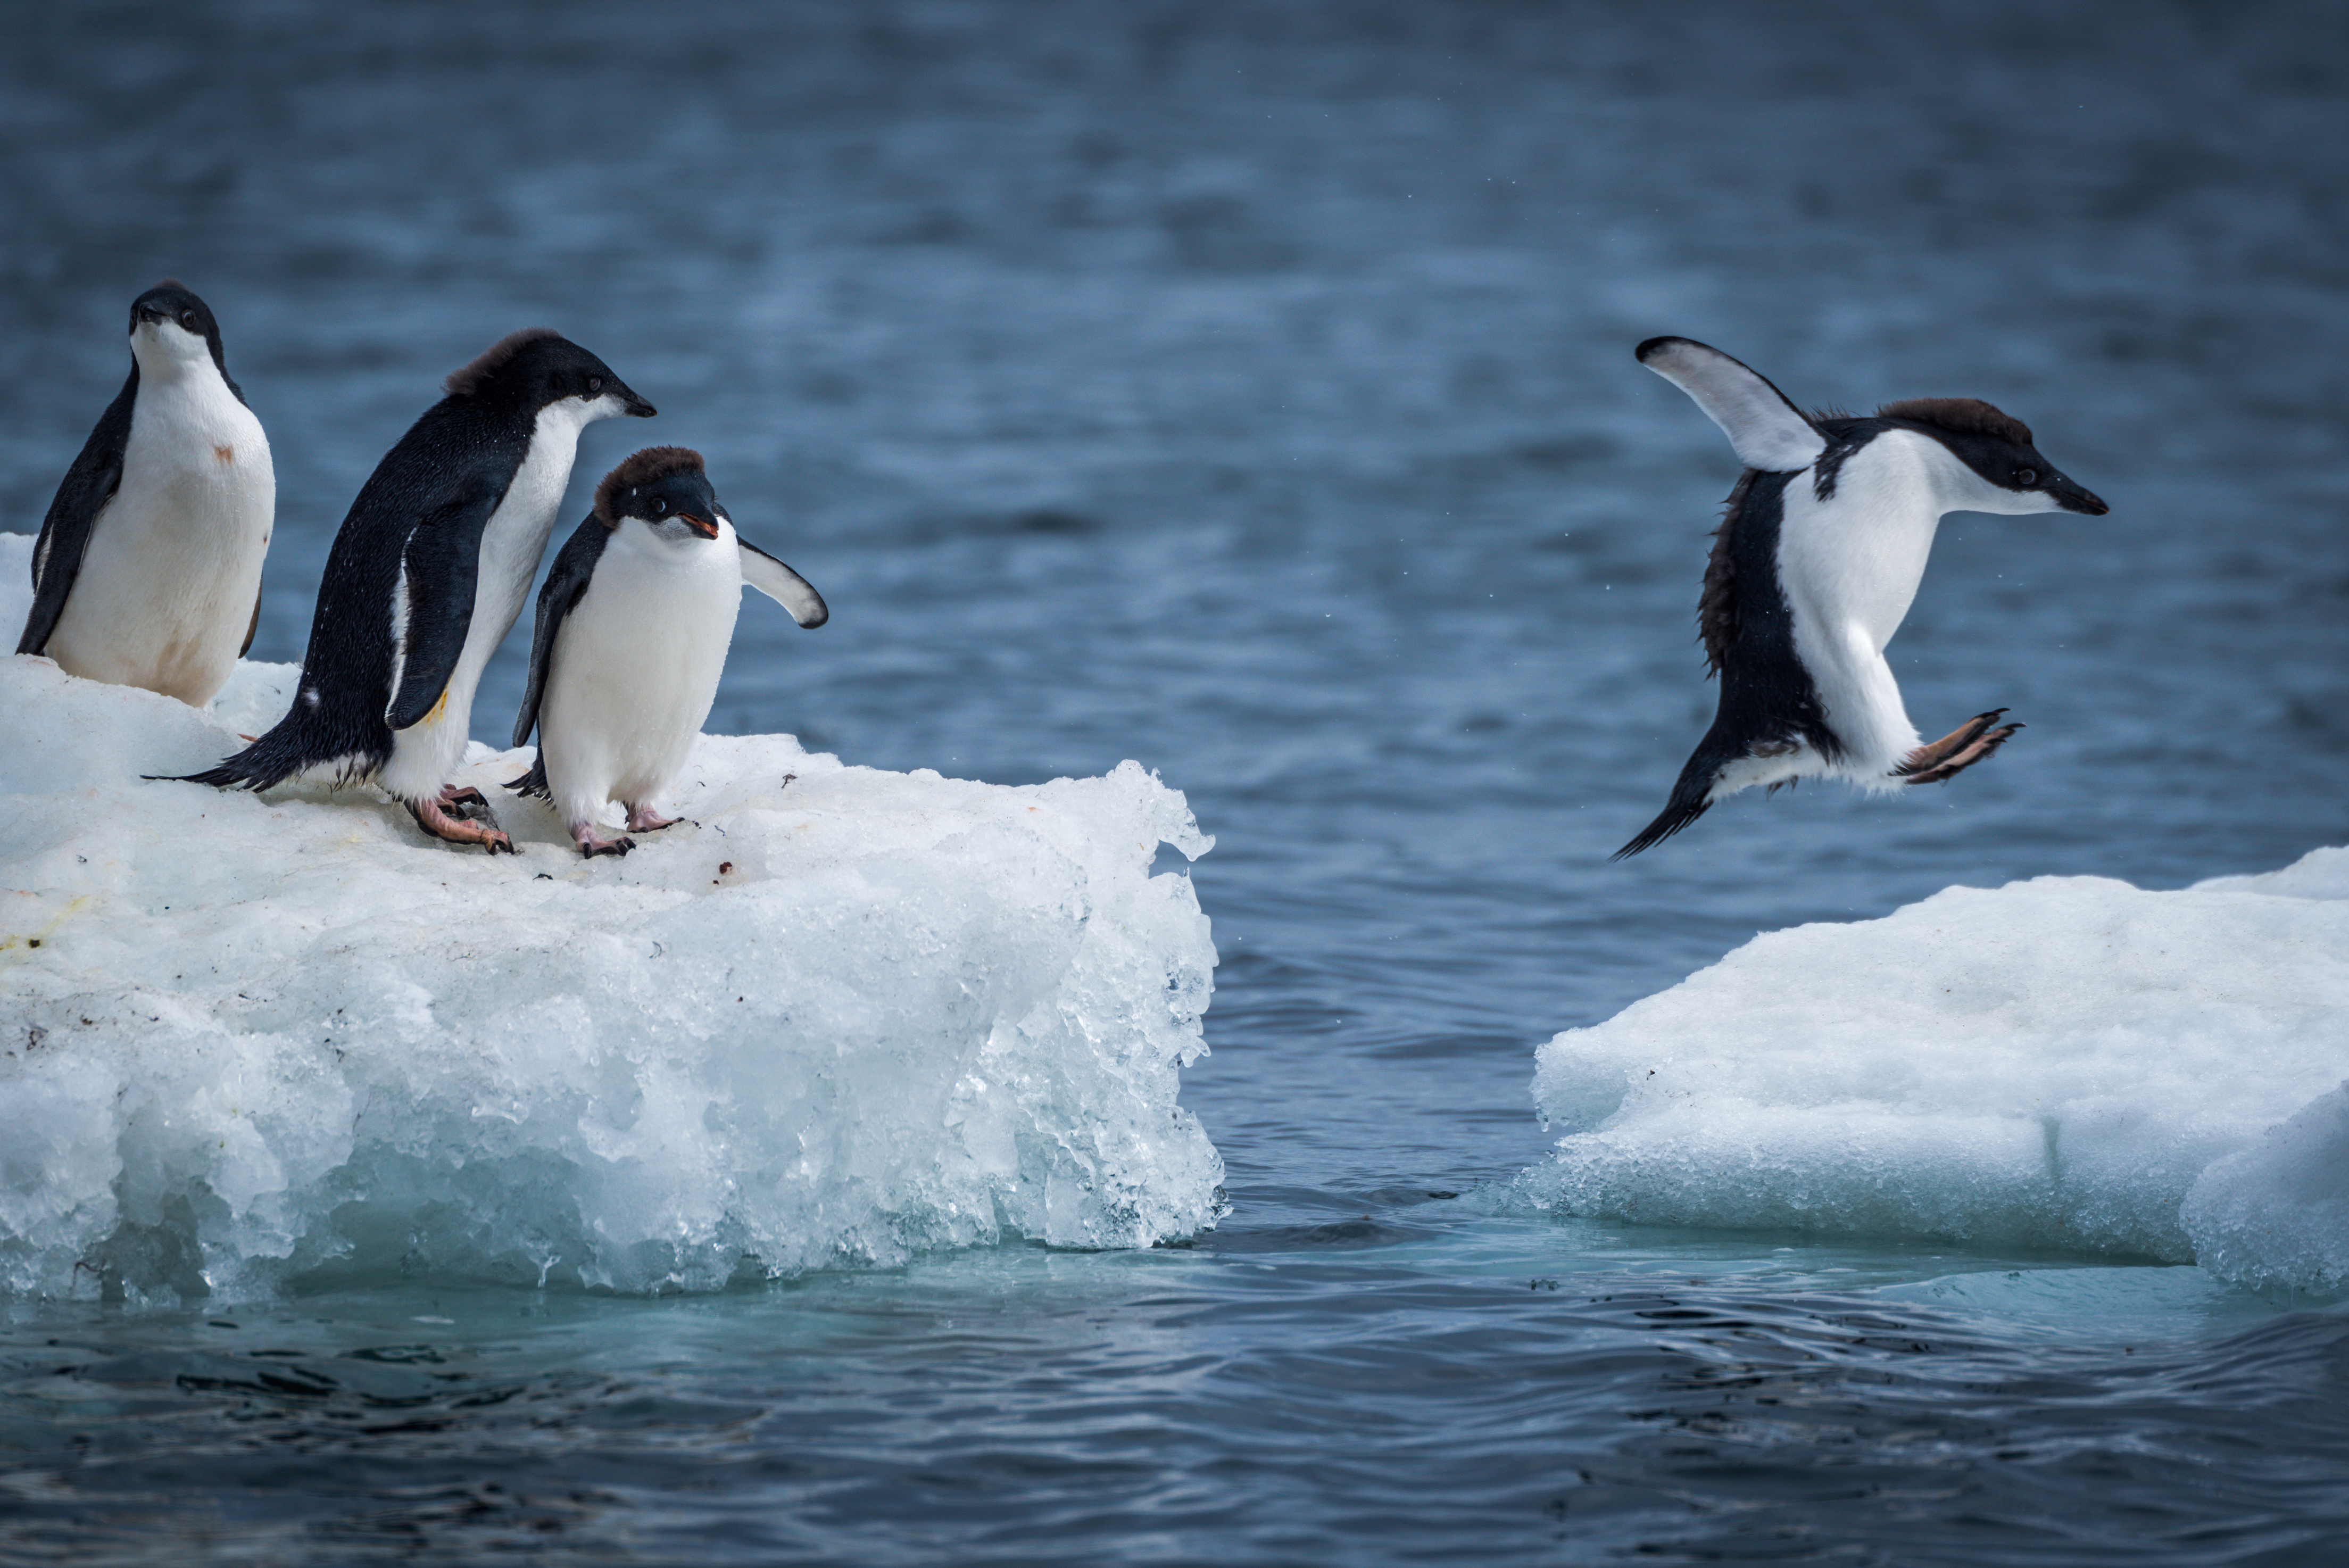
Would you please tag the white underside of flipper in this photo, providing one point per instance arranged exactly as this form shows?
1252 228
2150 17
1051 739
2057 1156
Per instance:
1767 431
785 586
426 755
167 586
635 668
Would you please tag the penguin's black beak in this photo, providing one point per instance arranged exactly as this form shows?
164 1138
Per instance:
2072 498
634 406
701 525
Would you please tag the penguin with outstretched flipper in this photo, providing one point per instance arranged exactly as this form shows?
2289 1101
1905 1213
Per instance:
147 569
634 624
425 578
1814 567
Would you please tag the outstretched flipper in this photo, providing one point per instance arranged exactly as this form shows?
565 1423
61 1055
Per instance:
1767 431
1956 751
782 584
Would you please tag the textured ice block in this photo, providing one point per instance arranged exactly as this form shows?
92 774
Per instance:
2055 1063
245 1040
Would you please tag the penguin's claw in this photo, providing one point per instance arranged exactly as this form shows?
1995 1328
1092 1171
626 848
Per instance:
592 843
1956 751
469 804
458 829
645 819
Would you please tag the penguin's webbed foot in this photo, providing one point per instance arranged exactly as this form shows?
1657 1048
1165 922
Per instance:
435 818
1956 751
645 819
592 843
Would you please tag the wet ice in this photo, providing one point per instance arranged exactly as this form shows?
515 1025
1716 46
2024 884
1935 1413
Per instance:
844 1018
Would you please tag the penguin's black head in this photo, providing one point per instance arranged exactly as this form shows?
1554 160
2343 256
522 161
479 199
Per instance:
1998 448
666 488
171 308
537 368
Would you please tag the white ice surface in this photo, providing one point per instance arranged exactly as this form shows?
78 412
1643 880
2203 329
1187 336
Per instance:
2067 1063
247 1040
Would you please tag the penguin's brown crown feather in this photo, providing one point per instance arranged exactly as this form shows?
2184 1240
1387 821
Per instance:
467 380
647 467
1962 416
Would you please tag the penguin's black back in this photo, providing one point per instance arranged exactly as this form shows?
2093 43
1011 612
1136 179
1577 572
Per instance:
1749 638
426 502
84 492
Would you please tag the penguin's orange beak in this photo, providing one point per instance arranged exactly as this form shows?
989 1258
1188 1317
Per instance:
701 525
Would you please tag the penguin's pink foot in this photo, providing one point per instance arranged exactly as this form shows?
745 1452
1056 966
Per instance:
592 843
433 818
645 819
1956 751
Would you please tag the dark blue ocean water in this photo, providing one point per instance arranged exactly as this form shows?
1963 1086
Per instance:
1246 389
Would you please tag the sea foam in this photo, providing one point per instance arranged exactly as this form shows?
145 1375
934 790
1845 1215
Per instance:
2066 1063
247 1043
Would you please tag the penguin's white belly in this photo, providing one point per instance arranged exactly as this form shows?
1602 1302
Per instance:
427 752
172 570
635 670
1850 567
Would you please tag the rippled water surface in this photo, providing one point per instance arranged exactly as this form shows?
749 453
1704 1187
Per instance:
1248 390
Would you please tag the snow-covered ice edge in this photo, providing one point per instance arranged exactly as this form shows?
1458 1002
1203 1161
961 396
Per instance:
2066 1063
247 1043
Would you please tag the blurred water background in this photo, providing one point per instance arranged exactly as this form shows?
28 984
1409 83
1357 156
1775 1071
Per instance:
1246 389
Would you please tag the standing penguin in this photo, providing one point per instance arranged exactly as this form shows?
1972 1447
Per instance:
425 578
148 571
1813 569
633 627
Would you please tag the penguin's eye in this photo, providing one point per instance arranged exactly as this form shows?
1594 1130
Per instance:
660 508
595 383
187 319
2027 476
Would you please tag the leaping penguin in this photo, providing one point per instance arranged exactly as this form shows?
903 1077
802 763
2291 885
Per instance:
426 577
147 570
633 627
1816 562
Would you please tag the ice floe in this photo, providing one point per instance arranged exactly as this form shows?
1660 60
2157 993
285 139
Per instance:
2066 1063
248 1042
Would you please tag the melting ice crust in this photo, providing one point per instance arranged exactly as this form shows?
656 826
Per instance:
2066 1063
249 1042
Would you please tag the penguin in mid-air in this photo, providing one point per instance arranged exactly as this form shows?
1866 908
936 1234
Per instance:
426 577
147 570
1816 559
633 627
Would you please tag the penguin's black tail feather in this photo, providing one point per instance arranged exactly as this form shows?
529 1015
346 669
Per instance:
267 761
278 755
534 782
1692 797
1678 814
230 775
